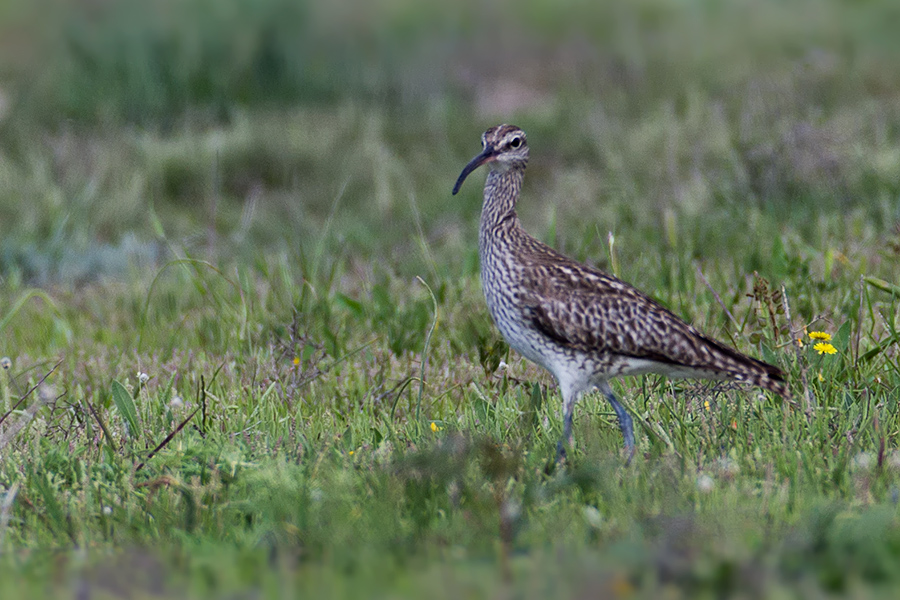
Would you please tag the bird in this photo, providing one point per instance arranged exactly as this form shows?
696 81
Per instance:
581 324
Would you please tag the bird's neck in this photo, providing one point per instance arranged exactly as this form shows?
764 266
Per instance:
501 192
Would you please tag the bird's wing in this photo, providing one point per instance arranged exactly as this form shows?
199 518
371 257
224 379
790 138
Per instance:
592 312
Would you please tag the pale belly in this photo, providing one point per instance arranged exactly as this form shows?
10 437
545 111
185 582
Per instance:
519 334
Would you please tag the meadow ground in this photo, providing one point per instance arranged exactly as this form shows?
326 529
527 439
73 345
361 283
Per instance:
248 355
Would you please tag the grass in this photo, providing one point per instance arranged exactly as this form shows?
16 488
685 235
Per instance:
249 354
295 458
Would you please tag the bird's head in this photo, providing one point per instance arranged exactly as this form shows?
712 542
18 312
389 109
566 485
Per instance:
503 147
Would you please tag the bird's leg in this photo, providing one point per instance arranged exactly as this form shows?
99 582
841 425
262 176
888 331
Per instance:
569 399
625 423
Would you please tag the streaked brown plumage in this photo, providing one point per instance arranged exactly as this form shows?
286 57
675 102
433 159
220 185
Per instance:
579 323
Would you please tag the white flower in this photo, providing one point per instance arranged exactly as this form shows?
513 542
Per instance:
863 461
592 516
47 392
510 510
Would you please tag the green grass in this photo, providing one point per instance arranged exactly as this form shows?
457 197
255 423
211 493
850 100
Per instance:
249 354
315 474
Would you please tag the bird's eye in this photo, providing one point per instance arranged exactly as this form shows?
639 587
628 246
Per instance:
515 142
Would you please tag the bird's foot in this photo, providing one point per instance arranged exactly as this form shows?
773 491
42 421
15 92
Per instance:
560 452
629 453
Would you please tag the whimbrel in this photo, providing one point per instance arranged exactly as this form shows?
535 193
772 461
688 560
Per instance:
579 323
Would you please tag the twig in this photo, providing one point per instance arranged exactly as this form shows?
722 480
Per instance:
402 387
28 393
859 318
425 349
715 294
17 425
202 393
167 439
808 400
106 433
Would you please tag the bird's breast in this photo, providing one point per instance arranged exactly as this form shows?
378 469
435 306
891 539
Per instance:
505 303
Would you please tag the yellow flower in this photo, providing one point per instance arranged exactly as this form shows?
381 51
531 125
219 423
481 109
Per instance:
824 348
706 404
821 336
800 342
434 427
351 452
821 377
296 360
621 587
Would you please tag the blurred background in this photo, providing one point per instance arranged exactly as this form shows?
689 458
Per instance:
132 131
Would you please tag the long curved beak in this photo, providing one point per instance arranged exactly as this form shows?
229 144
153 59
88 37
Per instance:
487 155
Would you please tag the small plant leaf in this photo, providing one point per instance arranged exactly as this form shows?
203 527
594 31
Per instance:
884 286
377 437
841 339
354 306
126 408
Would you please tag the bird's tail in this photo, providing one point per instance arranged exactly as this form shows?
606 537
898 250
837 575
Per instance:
755 372
771 378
